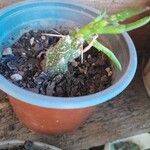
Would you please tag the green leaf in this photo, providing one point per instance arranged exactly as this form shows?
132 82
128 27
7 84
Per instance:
125 14
124 28
87 30
138 23
107 52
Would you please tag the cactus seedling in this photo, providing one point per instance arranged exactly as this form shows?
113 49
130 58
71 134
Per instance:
70 46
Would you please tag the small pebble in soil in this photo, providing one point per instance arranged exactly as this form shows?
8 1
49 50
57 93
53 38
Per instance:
89 56
16 77
43 37
23 54
50 88
109 71
12 65
32 41
74 63
7 51
40 78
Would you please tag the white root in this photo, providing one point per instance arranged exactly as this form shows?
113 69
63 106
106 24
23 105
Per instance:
86 48
82 56
54 35
90 44
56 31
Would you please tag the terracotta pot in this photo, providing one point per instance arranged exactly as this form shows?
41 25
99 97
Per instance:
47 114
46 120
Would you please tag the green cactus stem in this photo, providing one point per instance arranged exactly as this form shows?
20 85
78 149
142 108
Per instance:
70 46
57 57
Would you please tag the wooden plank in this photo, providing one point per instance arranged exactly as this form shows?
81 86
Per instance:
110 5
126 115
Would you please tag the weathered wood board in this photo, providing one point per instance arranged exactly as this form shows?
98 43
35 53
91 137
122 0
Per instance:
109 5
126 115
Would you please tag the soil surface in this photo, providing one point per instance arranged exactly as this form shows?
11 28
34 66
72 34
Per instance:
21 64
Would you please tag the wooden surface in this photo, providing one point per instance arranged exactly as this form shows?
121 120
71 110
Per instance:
127 114
109 5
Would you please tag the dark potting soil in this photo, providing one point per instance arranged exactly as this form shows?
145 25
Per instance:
28 145
21 64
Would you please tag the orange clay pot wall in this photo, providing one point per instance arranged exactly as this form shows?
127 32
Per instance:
49 121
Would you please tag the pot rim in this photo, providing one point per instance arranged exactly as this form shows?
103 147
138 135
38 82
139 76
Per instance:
19 143
71 102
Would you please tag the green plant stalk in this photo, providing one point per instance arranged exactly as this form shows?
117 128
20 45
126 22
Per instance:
108 53
103 27
125 28
99 25
69 47
125 14
57 57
